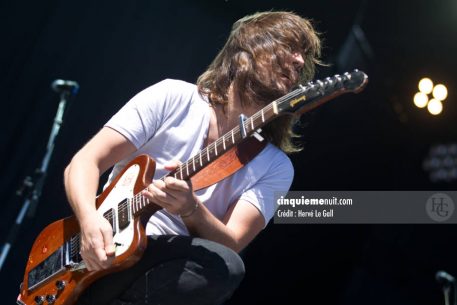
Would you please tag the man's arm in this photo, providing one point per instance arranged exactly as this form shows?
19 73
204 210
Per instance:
240 225
81 184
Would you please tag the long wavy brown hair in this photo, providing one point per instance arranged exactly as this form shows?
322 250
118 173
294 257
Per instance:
253 60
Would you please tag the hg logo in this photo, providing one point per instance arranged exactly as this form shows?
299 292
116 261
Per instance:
440 207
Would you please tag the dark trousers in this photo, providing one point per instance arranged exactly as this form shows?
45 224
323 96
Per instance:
173 270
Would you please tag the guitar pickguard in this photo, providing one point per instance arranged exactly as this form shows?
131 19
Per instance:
118 197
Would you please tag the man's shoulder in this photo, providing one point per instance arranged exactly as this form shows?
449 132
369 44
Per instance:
272 157
175 90
171 83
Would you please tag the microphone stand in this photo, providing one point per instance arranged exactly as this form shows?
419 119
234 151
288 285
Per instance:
32 186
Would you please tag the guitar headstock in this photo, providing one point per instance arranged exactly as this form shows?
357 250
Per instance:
316 92
354 81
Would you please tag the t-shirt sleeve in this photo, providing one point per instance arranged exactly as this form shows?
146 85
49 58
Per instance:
277 180
140 117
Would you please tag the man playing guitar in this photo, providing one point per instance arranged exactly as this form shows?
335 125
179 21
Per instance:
191 257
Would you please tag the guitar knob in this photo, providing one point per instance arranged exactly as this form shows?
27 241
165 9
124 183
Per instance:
60 284
39 299
50 298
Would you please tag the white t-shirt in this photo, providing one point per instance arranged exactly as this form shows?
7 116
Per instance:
170 121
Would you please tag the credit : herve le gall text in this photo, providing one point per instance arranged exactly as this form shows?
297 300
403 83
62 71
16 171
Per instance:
288 213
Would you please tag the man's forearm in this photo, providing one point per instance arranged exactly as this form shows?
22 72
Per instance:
202 223
81 184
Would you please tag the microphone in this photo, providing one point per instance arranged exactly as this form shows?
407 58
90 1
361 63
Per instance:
61 86
449 285
444 278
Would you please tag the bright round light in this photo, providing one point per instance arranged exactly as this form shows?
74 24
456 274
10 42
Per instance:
426 85
440 92
420 99
435 106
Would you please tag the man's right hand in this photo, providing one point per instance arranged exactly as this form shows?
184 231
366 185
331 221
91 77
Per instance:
97 247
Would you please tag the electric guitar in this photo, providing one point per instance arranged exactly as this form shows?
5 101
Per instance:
55 272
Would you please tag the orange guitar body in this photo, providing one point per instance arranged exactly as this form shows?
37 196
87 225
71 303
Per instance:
65 284
135 177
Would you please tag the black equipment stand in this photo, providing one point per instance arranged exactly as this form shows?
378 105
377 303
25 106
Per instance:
32 186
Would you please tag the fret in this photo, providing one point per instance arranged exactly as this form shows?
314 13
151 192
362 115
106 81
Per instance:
215 148
201 161
233 137
207 153
252 123
223 142
187 168
263 116
145 202
275 107
193 163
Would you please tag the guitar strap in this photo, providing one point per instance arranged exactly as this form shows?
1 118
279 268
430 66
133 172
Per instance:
227 164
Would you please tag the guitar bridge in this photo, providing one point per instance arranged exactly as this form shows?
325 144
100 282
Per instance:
76 266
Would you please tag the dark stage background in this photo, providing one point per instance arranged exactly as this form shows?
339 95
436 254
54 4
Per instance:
373 141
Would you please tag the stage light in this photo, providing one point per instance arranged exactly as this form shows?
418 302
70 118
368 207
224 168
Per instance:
435 106
420 99
425 85
441 163
440 92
